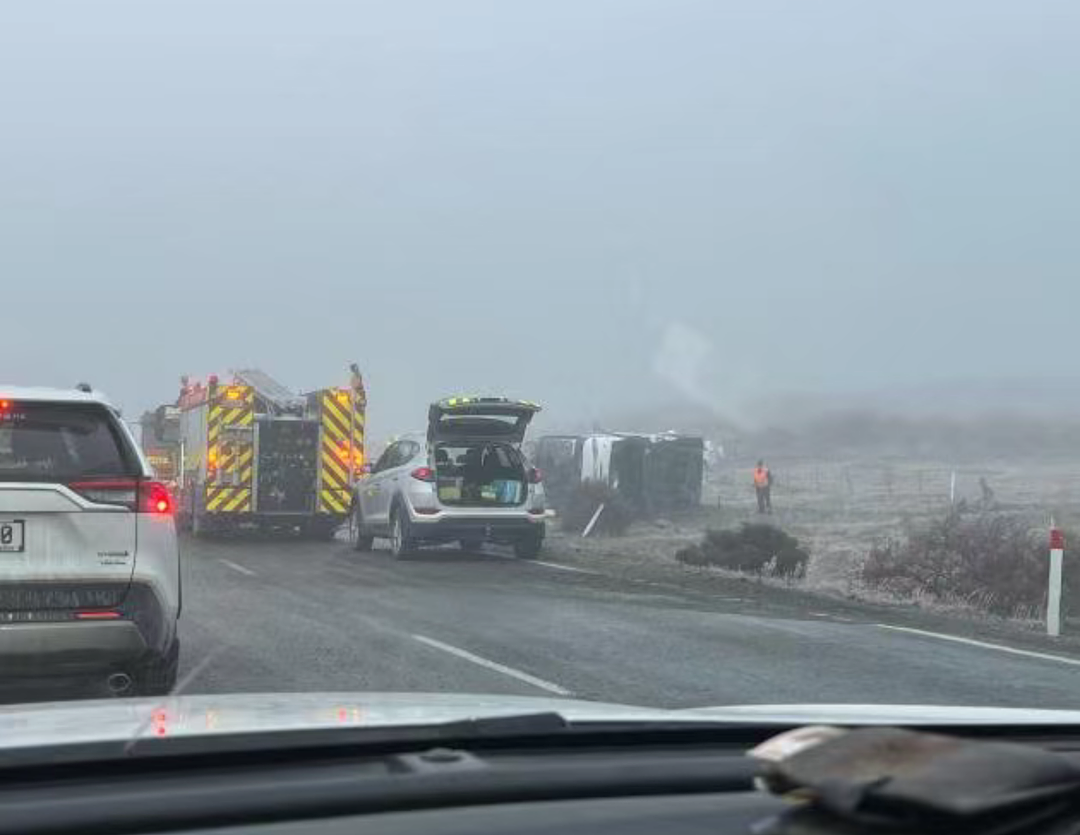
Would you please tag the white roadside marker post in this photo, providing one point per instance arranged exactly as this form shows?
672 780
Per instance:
592 522
1053 596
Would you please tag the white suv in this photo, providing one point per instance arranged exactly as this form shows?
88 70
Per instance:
465 481
89 563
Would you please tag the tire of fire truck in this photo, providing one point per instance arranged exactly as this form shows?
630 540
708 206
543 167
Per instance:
157 675
402 544
529 547
358 538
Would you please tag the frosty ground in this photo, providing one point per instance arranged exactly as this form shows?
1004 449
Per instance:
838 509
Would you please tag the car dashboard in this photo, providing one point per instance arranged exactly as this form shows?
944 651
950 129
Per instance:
671 781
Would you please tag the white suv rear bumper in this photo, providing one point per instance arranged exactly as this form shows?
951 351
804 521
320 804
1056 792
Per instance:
107 640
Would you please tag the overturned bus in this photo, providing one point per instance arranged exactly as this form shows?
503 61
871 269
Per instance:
653 473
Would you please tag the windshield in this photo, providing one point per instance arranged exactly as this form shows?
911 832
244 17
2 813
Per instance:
666 354
61 442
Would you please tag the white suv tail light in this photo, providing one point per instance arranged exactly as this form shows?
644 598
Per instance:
139 495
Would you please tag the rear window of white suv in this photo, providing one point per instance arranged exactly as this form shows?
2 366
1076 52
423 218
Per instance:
42 441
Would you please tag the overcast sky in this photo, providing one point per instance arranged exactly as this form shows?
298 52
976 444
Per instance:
590 203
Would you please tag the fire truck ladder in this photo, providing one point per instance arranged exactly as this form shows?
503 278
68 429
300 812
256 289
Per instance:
278 399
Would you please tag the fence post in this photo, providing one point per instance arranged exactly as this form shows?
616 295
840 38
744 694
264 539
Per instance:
1053 596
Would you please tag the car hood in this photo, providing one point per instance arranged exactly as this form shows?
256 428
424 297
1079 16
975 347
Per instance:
122 720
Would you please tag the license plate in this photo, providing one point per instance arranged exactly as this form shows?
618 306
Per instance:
12 535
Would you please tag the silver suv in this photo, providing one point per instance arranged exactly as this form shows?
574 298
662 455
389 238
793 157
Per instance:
465 480
89 565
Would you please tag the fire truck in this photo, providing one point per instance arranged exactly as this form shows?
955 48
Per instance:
254 454
161 442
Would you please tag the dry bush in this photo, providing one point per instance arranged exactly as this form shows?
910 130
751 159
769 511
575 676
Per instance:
753 549
996 562
583 502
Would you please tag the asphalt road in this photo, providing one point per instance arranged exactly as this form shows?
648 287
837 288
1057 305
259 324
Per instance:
294 615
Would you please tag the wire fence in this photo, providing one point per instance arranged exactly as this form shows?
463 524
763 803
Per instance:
866 488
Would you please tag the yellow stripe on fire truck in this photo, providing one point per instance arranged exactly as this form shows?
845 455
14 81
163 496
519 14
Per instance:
229 470
228 500
359 409
244 465
239 503
213 424
336 451
215 496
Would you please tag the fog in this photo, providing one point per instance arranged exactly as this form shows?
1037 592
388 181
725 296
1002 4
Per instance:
596 204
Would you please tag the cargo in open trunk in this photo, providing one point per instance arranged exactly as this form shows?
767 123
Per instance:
480 474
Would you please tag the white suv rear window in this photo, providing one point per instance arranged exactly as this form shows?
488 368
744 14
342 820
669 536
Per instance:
61 442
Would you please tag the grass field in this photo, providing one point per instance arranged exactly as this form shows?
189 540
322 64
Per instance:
840 508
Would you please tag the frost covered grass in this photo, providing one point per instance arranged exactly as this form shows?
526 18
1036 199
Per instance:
840 511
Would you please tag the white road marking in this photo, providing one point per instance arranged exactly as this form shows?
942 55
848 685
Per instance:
555 565
1044 656
561 567
235 567
491 665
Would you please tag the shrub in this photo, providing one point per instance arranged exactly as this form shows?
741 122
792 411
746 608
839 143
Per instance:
583 502
753 548
996 562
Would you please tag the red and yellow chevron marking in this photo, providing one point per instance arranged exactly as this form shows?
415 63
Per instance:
228 499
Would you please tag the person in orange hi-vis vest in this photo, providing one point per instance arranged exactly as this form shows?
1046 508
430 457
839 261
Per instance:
763 487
